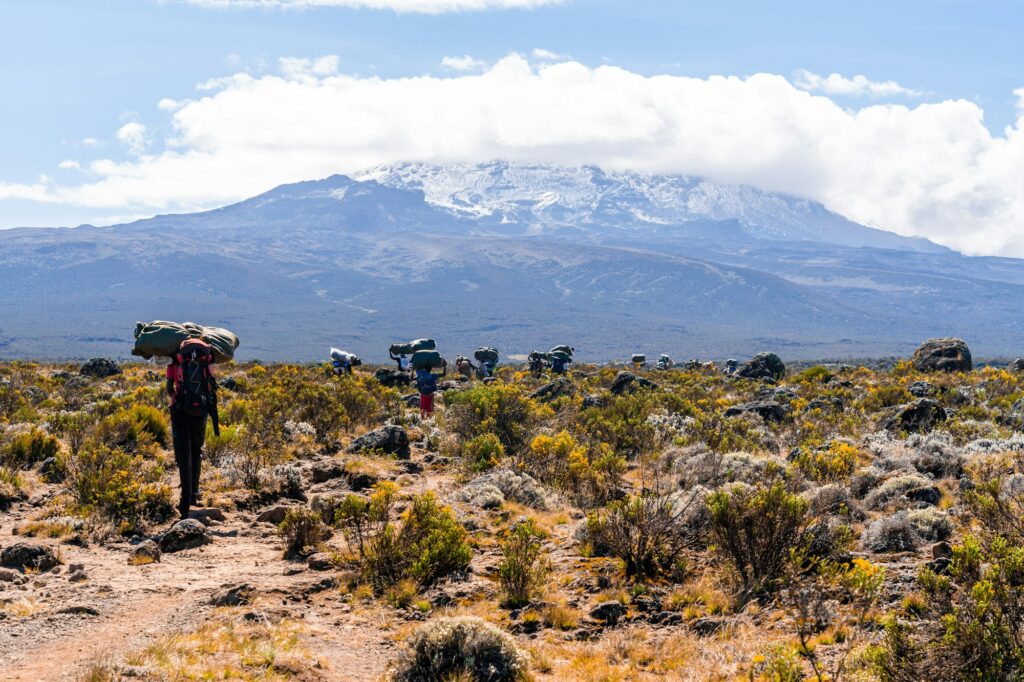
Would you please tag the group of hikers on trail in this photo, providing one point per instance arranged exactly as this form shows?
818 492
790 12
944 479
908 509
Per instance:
191 387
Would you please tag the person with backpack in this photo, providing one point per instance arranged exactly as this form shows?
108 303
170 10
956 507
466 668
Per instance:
465 366
537 363
426 384
192 390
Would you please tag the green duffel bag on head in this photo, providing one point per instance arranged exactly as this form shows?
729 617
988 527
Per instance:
160 338
427 359
484 354
422 344
639 358
222 342
560 355
568 350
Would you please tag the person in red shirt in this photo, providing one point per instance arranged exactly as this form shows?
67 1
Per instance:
191 389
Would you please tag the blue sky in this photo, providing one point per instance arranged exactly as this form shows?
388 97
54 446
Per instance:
74 70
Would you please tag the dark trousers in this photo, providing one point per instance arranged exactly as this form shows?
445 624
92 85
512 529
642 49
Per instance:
188 434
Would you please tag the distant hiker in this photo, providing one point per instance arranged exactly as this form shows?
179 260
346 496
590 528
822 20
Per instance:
488 359
464 366
560 363
537 363
731 367
403 361
342 362
665 362
426 384
192 390
640 360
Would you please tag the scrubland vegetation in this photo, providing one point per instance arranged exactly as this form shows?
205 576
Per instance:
574 534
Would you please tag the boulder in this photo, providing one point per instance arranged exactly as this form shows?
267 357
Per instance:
145 552
942 550
392 378
559 387
326 471
321 561
23 555
942 355
763 366
274 514
920 416
232 595
1017 365
185 534
627 382
922 389
768 410
608 612
390 439
593 400
99 368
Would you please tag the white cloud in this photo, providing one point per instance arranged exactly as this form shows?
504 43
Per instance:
858 86
463 64
933 169
91 142
296 67
404 6
69 164
548 55
133 136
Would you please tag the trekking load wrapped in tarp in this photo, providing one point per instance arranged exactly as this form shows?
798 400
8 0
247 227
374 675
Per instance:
486 355
427 359
162 339
559 355
567 350
344 356
639 358
412 346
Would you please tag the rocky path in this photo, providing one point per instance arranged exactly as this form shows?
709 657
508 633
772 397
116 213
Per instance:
121 608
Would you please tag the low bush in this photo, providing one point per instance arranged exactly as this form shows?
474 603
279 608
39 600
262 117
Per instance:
302 530
133 429
590 475
464 648
503 410
483 452
892 533
30 448
647 532
754 528
523 568
427 542
834 462
119 486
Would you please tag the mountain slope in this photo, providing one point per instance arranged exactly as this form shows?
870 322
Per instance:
361 263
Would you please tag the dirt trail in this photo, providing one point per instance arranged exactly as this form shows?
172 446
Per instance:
136 604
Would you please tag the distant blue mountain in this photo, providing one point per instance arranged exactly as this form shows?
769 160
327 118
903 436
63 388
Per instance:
515 256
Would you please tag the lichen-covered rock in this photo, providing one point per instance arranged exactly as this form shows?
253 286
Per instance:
27 555
491 489
232 595
768 410
608 612
390 440
146 552
99 368
919 416
185 534
763 366
943 355
627 382
549 391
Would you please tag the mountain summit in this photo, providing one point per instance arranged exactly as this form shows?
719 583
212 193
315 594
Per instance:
515 256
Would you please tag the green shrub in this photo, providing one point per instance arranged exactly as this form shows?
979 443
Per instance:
972 625
591 475
118 486
483 452
464 649
647 532
12 487
754 529
133 429
302 530
72 427
623 424
500 409
523 568
30 448
216 448
426 544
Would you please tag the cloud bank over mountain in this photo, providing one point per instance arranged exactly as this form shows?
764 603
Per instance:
932 169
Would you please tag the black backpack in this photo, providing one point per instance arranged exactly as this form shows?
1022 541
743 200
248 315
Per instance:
193 394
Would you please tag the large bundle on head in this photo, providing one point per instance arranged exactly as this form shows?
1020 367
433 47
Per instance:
639 358
162 339
566 350
427 359
560 355
484 354
412 346
344 356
